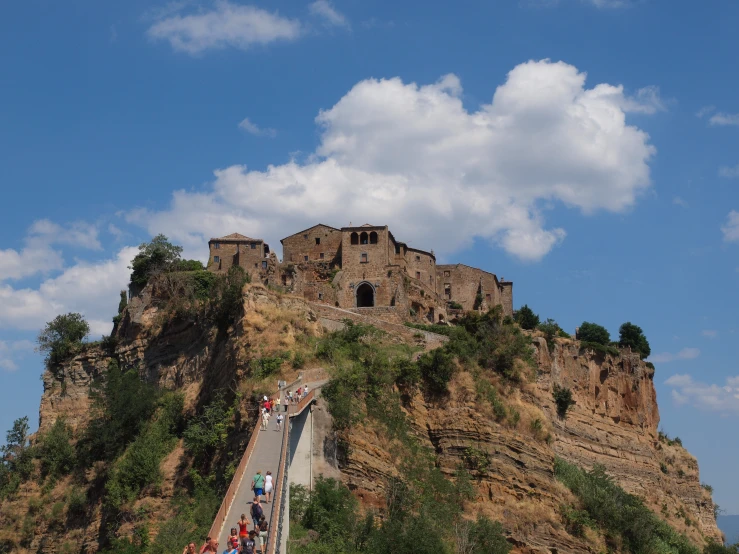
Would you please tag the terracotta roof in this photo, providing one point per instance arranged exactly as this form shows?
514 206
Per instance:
235 237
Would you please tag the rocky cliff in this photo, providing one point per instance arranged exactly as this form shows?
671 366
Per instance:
614 422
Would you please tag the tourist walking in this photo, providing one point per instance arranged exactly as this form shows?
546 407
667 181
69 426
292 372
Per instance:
263 532
256 512
257 485
280 417
265 420
189 549
285 401
243 524
268 485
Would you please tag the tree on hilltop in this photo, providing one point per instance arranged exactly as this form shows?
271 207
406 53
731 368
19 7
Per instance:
62 337
592 332
153 258
632 335
526 318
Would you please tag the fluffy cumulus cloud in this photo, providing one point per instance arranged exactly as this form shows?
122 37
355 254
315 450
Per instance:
684 354
722 119
38 254
717 398
226 25
731 228
415 158
326 11
90 288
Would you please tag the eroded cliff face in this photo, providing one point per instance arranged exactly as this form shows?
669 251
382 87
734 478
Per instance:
613 423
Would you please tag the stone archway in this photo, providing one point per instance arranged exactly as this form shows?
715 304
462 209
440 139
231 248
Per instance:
365 295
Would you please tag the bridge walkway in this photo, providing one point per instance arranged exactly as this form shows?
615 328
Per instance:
267 451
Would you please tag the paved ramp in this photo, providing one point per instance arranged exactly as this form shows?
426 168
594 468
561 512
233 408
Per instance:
267 451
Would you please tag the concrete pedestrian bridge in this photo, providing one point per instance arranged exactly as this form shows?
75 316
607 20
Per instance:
271 450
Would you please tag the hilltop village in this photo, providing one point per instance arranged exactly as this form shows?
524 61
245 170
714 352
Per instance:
364 269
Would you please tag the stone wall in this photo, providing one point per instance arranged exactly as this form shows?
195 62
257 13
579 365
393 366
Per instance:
249 255
461 283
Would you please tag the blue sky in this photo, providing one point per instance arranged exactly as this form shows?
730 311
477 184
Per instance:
585 149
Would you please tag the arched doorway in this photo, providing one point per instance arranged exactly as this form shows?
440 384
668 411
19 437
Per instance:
365 296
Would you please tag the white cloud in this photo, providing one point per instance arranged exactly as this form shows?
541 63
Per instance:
415 158
684 354
324 9
38 256
254 129
723 399
704 111
731 229
679 201
90 288
647 100
10 351
227 25
729 172
724 119
710 333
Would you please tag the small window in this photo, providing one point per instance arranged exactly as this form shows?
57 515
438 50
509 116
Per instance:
305 236
354 238
264 265
430 280
418 274
373 237
363 238
431 261
318 240
488 298
397 249
256 264
216 259
321 255
418 258
363 258
446 274
448 290
305 258
217 245
320 296
253 245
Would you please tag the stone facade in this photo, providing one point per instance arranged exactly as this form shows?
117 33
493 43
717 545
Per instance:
365 268
235 249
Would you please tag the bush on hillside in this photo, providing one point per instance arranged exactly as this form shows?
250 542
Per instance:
592 332
55 450
526 318
62 337
563 399
209 430
16 458
624 518
632 336
551 329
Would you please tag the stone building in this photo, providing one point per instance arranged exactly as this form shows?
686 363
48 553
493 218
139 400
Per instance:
235 249
365 269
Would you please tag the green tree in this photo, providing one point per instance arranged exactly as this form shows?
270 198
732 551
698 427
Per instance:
592 332
563 399
153 258
16 457
632 335
55 450
526 318
210 429
62 337
123 302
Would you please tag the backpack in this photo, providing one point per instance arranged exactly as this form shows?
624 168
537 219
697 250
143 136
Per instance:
256 511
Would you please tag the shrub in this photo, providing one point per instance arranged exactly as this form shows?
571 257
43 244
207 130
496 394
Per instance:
121 405
228 294
575 520
266 366
551 329
16 458
76 501
486 537
455 305
592 332
707 487
597 347
650 365
526 318
632 336
55 450
663 468
123 302
209 430
298 360
437 369
62 337
139 465
563 399
477 460
619 514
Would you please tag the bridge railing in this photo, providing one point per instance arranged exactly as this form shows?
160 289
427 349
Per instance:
280 499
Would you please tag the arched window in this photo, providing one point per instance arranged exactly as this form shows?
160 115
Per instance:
373 238
355 238
363 238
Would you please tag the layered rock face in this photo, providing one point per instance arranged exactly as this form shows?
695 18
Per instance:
613 423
